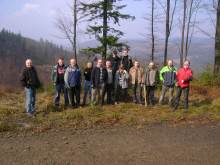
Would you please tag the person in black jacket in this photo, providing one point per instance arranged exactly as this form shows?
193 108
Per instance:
126 60
30 82
87 82
99 78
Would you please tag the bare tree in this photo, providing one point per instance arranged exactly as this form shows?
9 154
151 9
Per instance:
169 11
68 27
152 30
190 10
217 41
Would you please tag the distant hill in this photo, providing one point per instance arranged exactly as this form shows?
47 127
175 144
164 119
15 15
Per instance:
201 51
14 49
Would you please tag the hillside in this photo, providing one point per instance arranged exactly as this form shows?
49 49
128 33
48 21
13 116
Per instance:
14 49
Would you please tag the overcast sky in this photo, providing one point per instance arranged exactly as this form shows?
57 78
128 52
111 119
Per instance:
36 19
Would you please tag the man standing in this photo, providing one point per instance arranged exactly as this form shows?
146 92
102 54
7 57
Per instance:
184 76
137 80
57 77
151 81
99 78
109 83
168 77
72 80
30 82
115 61
126 60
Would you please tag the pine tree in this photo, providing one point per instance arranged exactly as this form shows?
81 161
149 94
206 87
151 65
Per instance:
103 15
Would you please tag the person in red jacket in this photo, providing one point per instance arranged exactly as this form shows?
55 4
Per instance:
184 76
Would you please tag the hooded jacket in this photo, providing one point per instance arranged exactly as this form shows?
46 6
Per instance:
184 76
54 73
168 75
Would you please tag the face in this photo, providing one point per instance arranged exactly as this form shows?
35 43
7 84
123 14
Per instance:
28 63
99 63
73 62
108 64
89 65
114 54
125 52
60 62
151 65
170 63
136 64
186 64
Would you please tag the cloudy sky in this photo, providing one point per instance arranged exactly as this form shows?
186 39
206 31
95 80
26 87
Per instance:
36 19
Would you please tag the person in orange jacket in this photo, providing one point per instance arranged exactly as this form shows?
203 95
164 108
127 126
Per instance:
184 76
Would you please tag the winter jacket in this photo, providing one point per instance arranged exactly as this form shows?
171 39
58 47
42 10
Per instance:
72 77
121 79
127 62
115 61
184 76
88 74
152 77
168 75
54 74
136 73
29 78
96 76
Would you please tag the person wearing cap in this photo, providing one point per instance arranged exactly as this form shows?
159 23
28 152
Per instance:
168 78
126 60
151 81
184 76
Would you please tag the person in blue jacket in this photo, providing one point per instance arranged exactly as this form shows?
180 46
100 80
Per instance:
72 80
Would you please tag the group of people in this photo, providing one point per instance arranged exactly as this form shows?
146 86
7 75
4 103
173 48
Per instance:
108 82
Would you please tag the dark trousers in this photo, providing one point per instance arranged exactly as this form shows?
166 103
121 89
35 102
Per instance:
59 89
109 90
136 93
120 94
150 95
87 90
178 95
74 95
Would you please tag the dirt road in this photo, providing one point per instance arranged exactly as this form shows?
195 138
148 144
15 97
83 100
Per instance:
155 144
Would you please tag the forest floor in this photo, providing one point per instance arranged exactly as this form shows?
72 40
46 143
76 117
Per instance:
118 134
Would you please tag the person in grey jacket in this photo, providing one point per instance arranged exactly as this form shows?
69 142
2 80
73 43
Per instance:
151 81
57 77
121 84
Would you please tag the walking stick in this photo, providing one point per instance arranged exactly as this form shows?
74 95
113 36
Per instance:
145 91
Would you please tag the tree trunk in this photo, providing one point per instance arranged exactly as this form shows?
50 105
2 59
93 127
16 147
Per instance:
167 31
183 33
75 28
152 32
105 28
217 42
188 30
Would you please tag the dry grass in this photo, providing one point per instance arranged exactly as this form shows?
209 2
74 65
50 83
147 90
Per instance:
204 107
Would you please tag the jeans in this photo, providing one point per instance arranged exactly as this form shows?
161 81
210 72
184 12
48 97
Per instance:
99 92
150 95
136 93
59 89
30 99
120 94
163 93
178 95
74 95
87 90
